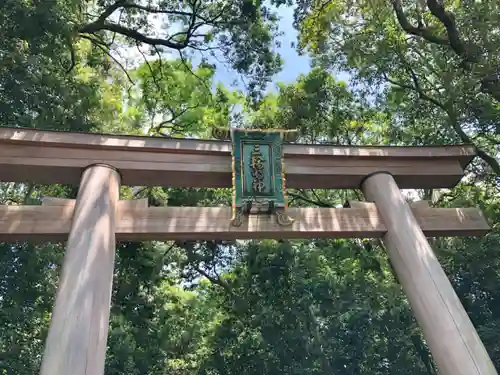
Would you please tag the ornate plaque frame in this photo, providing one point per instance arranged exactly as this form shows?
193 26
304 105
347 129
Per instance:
259 181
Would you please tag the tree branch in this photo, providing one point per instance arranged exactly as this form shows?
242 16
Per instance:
417 31
29 192
308 200
214 280
103 24
150 9
72 55
188 68
106 51
109 10
415 88
132 34
468 52
448 20
490 160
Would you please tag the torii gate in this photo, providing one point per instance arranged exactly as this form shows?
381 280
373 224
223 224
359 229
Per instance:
100 163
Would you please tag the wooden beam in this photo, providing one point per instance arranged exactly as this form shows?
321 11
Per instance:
123 204
464 152
28 155
209 223
364 204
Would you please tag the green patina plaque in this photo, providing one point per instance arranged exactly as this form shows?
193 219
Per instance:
259 183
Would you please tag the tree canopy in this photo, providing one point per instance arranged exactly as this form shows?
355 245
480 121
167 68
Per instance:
431 61
420 72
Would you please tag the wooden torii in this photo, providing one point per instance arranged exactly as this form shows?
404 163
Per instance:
91 224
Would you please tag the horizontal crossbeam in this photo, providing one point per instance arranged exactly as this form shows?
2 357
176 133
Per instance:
28 155
52 221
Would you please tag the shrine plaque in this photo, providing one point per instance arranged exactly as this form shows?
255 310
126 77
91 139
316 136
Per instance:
259 183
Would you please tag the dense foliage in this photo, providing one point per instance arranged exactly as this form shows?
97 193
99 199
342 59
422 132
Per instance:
423 72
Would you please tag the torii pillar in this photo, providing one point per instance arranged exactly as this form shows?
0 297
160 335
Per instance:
448 331
76 343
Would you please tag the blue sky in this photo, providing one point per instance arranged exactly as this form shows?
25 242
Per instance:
293 63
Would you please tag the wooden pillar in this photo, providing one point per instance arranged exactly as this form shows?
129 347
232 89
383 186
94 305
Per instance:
76 343
452 339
